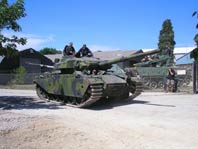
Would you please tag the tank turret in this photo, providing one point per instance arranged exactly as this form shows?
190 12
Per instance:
69 62
80 82
131 57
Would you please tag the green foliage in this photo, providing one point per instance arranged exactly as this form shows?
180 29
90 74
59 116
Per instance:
19 75
9 15
195 13
166 37
194 54
196 39
9 52
49 51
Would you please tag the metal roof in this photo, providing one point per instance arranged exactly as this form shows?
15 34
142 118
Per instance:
103 55
108 55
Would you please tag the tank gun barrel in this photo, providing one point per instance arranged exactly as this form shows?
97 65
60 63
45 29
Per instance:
131 57
161 59
41 65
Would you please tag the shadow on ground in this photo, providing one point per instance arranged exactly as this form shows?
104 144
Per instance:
23 102
110 104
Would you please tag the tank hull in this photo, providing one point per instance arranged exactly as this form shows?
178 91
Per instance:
83 91
155 77
80 82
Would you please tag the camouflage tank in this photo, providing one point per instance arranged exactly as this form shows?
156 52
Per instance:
80 82
153 72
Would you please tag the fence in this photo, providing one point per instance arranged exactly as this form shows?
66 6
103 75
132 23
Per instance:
17 79
185 84
156 83
195 78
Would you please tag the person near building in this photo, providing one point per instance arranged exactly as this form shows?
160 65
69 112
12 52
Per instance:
170 84
69 49
84 51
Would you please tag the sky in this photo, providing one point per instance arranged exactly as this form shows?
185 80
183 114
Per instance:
105 24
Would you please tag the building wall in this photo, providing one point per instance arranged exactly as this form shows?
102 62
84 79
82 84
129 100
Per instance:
24 58
31 64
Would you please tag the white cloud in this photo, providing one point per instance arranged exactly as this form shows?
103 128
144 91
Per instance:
33 41
102 48
38 42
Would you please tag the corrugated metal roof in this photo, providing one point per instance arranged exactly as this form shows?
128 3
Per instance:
54 56
183 50
179 50
108 55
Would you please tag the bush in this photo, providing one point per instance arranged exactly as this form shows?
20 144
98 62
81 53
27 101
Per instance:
19 75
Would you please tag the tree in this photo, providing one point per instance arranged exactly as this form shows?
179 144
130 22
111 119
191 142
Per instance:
196 36
166 37
19 75
9 15
49 51
194 52
196 39
195 13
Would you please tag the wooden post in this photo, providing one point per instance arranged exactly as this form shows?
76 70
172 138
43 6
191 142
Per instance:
195 77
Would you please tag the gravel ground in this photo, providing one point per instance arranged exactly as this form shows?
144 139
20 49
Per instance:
152 120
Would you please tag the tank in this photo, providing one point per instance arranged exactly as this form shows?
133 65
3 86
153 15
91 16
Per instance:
80 82
153 73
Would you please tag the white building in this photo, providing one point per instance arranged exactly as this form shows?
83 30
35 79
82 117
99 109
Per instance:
182 55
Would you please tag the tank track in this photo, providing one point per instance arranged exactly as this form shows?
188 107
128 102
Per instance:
139 88
93 94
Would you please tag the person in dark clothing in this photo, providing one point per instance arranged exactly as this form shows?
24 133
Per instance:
84 51
69 49
170 80
168 51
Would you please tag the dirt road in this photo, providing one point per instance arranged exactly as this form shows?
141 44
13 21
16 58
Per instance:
151 121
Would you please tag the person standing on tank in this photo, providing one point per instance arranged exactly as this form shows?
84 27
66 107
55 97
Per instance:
69 49
168 54
84 51
167 50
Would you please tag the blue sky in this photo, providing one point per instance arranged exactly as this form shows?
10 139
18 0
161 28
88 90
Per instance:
106 24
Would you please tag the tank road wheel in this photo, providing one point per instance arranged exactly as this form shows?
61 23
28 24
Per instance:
187 81
93 94
153 85
180 83
160 84
146 82
41 93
